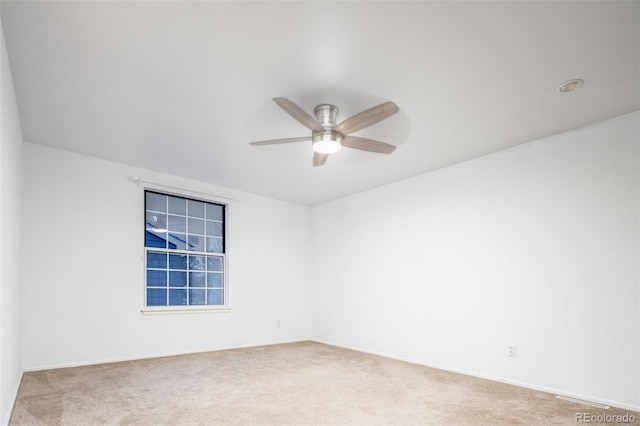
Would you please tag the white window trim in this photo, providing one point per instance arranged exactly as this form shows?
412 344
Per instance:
189 309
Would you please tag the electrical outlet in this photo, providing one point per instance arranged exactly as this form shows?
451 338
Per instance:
512 350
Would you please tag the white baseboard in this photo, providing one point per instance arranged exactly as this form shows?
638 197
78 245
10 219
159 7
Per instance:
533 386
158 355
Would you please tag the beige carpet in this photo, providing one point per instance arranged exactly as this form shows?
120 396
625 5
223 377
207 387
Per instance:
301 383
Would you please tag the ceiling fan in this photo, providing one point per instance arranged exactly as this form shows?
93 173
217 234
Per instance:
328 137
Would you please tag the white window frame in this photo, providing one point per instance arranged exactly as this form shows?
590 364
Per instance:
177 309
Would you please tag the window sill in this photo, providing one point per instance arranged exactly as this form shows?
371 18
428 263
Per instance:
162 310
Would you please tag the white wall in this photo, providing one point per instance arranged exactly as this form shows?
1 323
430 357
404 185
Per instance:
535 246
83 271
10 234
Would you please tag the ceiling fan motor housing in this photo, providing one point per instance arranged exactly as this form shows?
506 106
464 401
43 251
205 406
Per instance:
326 114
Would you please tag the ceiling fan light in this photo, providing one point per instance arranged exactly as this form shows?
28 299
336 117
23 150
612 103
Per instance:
327 143
326 147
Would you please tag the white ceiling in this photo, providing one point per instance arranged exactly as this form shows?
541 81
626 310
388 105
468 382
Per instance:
182 87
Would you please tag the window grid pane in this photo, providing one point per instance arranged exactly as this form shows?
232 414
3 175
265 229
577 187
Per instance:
174 282
184 244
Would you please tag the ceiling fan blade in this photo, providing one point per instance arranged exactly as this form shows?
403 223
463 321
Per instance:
319 159
365 144
279 141
367 118
299 114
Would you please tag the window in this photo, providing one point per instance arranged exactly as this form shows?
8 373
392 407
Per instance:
184 251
